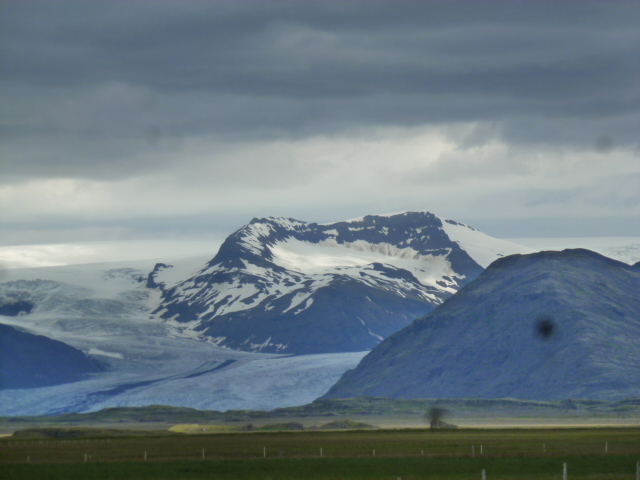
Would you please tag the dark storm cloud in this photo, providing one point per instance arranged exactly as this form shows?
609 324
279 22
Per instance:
109 81
326 49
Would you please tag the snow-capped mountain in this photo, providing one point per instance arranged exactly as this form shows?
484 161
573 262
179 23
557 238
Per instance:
545 326
282 285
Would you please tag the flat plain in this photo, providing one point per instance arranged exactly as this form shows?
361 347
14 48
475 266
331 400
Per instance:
590 453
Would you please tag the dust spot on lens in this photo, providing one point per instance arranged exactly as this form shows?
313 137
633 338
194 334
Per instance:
434 418
604 144
545 328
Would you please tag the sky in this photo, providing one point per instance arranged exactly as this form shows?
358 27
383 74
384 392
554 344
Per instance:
183 120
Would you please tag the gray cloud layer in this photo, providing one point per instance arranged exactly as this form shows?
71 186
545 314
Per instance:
111 91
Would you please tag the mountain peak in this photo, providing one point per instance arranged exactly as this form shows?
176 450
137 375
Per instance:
396 215
280 284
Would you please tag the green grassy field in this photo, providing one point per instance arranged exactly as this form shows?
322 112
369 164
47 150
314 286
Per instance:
377 411
388 454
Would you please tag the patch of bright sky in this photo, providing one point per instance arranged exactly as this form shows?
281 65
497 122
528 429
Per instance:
387 169
29 256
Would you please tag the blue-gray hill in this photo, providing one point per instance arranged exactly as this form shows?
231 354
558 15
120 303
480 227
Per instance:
32 361
545 326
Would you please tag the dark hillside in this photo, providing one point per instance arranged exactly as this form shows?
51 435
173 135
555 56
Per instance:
31 361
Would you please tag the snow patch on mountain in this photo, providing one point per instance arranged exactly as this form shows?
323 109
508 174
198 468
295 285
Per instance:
328 256
482 248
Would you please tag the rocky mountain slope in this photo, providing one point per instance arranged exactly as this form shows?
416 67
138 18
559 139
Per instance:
282 285
546 326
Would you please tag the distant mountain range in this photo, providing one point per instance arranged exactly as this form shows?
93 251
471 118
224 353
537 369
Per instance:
291 287
546 326
285 286
288 286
